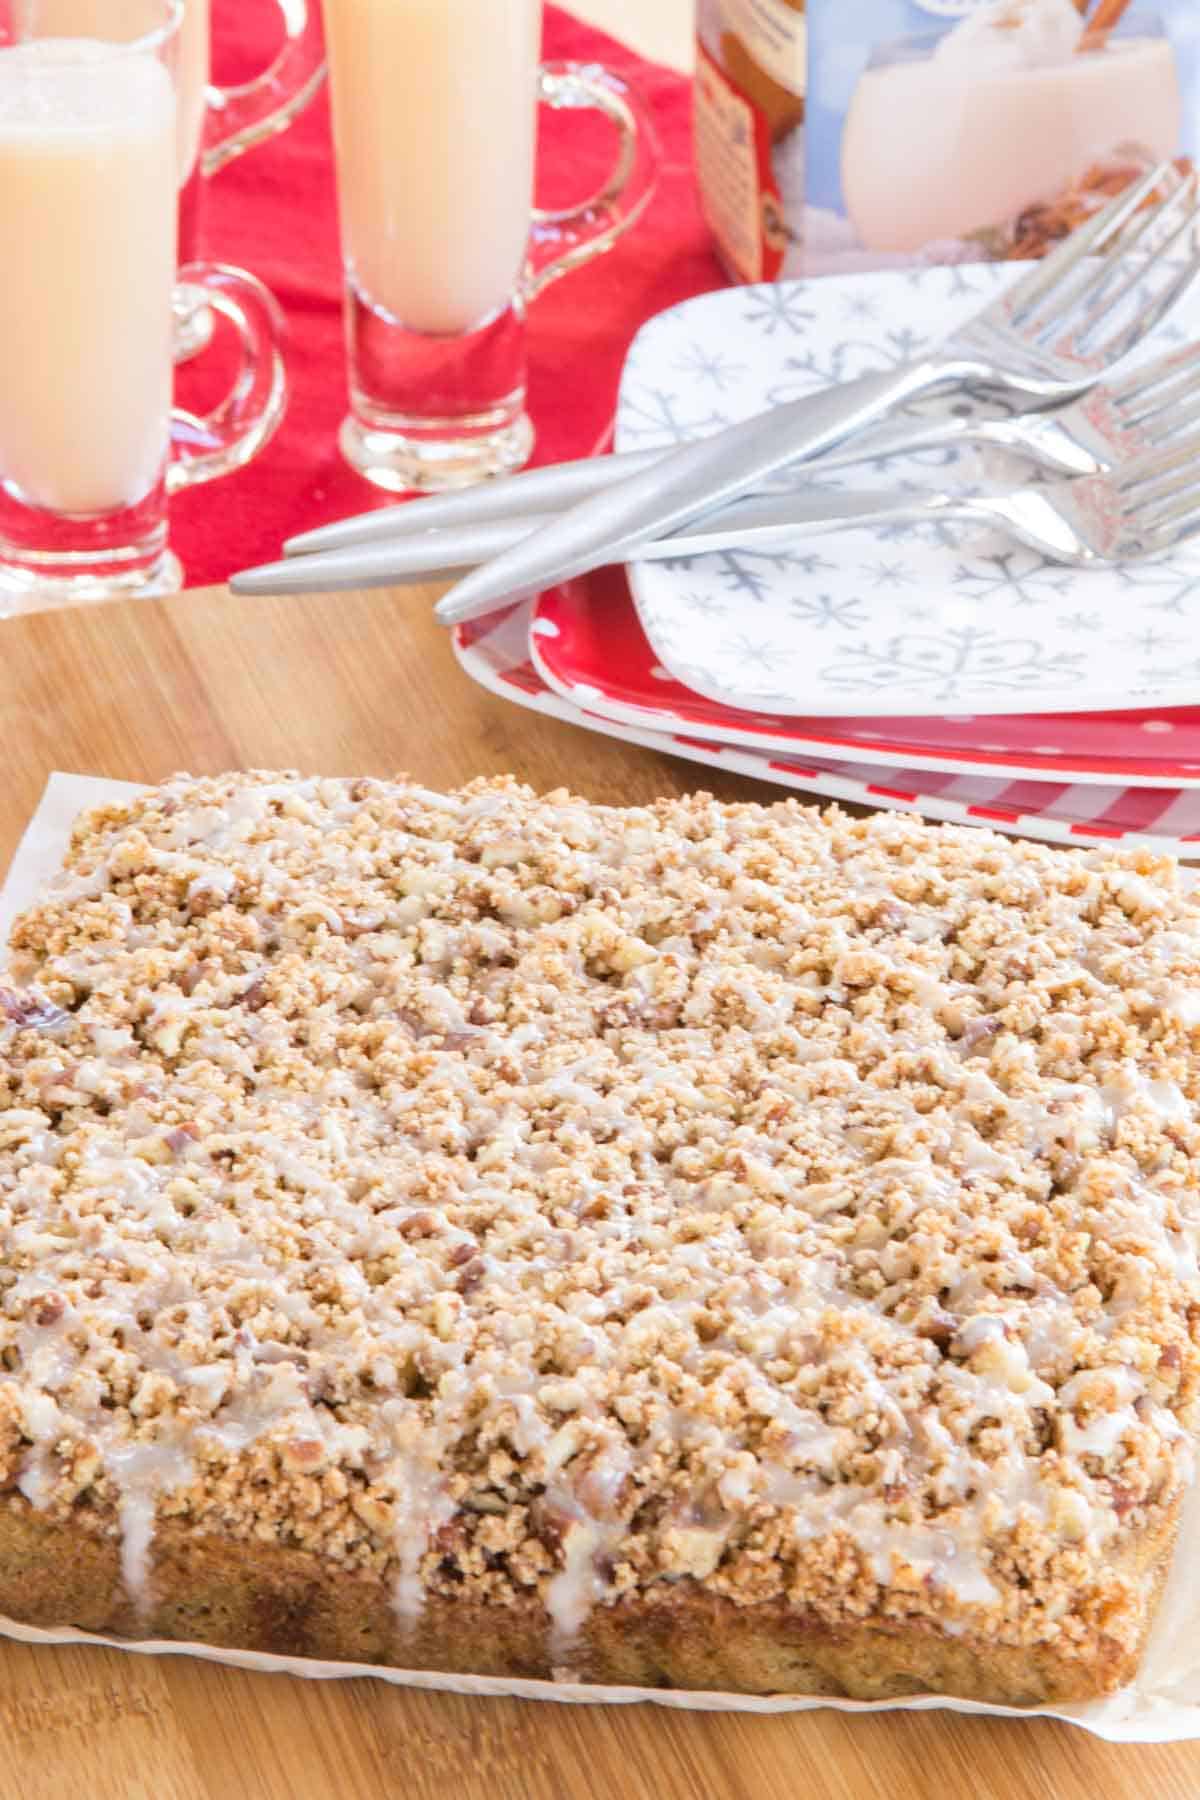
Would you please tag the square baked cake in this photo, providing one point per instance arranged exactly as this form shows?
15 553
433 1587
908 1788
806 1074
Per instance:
712 1246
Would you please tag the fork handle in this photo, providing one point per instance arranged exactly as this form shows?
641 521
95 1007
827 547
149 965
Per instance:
773 522
533 492
611 527
761 523
1039 518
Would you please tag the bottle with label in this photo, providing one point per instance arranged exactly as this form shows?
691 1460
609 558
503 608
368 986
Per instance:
749 123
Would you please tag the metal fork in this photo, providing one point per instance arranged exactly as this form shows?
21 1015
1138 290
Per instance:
1044 340
1144 508
1111 423
1084 438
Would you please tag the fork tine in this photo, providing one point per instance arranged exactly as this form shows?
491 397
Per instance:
1133 333
1026 294
1149 375
1156 412
1152 463
1166 502
1104 302
1165 428
1120 275
1148 221
1105 281
1171 523
1160 472
1157 416
1163 382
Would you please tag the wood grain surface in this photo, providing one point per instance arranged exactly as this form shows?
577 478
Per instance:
367 684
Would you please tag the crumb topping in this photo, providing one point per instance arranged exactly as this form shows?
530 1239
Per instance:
526 1196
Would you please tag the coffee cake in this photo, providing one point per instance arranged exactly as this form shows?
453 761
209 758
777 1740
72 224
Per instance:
728 1246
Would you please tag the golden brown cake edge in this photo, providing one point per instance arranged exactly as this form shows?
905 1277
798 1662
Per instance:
288 1602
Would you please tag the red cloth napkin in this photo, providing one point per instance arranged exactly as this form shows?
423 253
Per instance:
274 212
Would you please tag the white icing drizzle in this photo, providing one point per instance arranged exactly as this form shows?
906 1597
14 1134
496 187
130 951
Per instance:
143 1474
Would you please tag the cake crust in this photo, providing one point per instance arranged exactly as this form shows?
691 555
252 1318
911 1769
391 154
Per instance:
286 1602
695 1239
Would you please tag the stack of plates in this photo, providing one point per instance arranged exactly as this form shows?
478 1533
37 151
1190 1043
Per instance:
921 667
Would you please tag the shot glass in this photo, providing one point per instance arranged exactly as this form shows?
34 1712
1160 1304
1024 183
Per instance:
90 447
435 108
215 124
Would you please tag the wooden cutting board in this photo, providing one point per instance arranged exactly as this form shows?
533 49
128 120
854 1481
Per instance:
367 684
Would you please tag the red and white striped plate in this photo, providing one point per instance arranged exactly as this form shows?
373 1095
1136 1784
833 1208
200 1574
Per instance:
588 645
496 653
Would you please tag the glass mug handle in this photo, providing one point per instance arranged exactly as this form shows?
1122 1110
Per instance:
566 239
241 117
205 447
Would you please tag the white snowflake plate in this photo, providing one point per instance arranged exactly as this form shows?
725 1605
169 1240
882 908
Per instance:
495 653
894 620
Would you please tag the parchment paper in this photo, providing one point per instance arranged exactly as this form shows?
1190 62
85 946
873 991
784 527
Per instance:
1163 1706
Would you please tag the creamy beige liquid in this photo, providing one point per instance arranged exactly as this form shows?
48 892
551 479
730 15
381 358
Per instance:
98 19
87 216
434 114
933 153
192 78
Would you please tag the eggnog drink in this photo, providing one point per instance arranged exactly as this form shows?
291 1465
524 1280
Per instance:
434 115
100 20
1006 112
87 212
